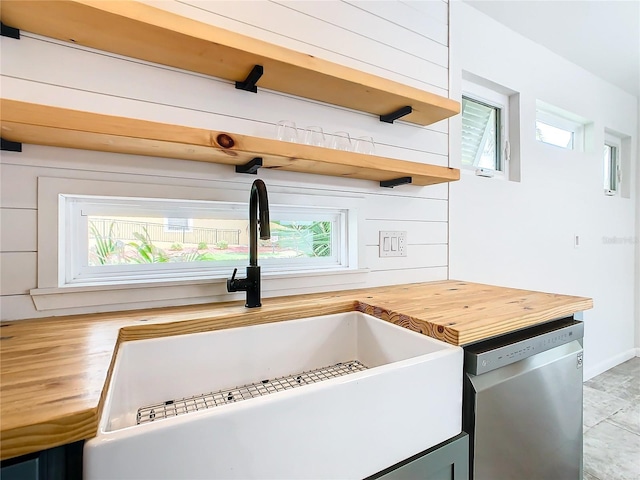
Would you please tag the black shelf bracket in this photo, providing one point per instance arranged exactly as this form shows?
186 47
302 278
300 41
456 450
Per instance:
11 32
393 116
395 182
251 167
249 83
10 146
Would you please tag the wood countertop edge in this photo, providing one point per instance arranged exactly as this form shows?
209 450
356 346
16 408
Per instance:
452 336
80 425
83 423
445 334
232 320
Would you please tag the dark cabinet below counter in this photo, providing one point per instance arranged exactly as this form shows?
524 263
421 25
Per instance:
446 461
59 463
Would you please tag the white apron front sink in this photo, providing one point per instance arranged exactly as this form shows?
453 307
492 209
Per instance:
350 426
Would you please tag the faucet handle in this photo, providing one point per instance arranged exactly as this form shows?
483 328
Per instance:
231 282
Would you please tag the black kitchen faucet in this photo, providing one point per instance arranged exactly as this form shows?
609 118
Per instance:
251 284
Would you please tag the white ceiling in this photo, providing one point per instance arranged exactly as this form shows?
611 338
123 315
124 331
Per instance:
600 36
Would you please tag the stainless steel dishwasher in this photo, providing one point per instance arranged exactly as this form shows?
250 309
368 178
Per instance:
522 405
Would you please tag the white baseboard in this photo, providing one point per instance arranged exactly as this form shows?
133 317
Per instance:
610 363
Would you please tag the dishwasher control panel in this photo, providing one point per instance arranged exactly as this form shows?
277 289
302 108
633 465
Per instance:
497 352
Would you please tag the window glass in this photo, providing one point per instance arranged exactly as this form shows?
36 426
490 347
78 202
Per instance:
560 128
114 240
554 135
611 168
480 134
109 239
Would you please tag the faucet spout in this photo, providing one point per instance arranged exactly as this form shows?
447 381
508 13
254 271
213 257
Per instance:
258 217
258 201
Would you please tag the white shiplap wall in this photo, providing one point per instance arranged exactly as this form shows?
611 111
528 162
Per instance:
404 41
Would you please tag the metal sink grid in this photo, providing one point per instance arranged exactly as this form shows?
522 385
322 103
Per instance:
173 408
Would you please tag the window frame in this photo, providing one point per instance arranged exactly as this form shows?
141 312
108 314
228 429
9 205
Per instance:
500 101
615 143
51 292
74 237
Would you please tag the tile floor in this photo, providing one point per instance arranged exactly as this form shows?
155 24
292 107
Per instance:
612 424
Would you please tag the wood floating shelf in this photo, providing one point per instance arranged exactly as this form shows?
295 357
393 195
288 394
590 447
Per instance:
129 28
59 127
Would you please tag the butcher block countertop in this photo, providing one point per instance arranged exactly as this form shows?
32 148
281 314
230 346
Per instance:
54 372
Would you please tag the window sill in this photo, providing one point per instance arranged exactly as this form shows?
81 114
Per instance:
83 298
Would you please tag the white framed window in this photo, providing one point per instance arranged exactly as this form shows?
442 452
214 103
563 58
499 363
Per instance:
120 240
559 128
71 275
612 164
485 130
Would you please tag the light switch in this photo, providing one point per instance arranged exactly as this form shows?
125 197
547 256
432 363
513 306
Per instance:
393 244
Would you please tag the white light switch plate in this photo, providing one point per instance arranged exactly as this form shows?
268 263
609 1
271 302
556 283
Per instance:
393 244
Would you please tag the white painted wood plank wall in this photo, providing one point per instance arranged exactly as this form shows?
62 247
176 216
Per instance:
404 41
